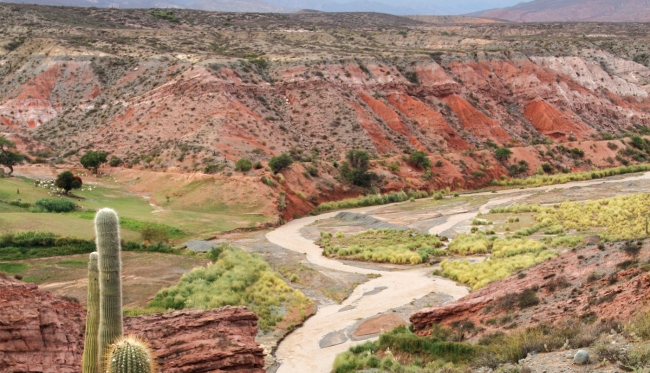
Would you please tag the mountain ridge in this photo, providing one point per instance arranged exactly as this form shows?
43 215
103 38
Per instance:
573 11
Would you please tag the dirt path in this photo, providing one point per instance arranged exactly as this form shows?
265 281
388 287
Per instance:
301 352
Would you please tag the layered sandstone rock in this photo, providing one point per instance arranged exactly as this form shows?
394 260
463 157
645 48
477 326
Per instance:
40 332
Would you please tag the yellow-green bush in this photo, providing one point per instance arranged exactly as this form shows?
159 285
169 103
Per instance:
507 247
480 274
383 245
237 278
465 244
618 218
538 180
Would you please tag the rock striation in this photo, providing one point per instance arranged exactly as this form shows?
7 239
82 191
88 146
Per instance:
41 332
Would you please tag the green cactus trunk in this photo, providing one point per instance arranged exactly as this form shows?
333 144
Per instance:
130 355
107 231
91 355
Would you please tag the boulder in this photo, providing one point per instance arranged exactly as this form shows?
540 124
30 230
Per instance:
581 357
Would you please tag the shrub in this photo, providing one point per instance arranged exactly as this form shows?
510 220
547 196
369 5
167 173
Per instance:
280 162
503 154
154 233
465 244
420 159
393 167
528 298
369 200
115 161
55 205
244 165
480 274
312 170
383 245
237 278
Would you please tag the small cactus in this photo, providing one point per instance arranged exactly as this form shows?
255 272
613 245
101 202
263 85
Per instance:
91 358
130 355
107 231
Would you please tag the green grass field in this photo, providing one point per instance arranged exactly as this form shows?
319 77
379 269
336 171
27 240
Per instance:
194 219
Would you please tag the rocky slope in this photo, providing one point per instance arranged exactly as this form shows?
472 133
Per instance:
40 332
199 90
587 284
574 11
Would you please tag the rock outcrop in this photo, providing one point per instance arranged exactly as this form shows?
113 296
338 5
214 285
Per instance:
41 332
587 284
219 340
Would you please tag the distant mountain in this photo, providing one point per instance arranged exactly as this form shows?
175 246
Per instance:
396 7
574 11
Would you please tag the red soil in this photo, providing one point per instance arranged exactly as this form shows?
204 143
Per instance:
551 122
476 122
429 120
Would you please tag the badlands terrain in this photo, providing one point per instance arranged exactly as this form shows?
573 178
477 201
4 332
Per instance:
500 170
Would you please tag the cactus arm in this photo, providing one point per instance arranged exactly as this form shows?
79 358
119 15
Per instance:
90 361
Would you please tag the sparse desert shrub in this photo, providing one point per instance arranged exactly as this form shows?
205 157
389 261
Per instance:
244 165
154 233
115 161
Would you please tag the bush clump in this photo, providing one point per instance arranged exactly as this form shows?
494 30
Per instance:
237 278
55 205
383 245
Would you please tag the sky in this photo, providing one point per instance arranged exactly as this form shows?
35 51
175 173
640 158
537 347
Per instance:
399 6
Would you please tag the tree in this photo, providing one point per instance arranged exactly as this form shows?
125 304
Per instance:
153 233
9 157
92 160
356 168
67 181
244 165
280 162
503 154
358 159
420 159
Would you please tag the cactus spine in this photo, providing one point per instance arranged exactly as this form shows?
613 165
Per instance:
107 231
90 358
129 355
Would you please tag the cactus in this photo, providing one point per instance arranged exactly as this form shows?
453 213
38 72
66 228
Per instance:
129 355
90 357
107 231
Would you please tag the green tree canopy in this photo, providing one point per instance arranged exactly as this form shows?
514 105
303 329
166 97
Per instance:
67 181
280 162
356 168
419 159
503 154
8 156
92 160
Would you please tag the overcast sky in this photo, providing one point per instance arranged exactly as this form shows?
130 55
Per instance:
399 6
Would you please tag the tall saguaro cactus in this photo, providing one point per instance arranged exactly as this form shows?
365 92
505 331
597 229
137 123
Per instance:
91 354
130 355
107 231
